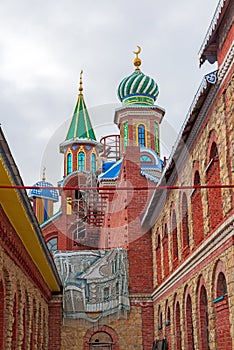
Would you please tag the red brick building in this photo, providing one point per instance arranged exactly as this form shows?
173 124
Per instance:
172 248
144 266
30 287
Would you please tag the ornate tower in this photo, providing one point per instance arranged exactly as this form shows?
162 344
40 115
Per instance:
43 199
81 156
80 147
138 119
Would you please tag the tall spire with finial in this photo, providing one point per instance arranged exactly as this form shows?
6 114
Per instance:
43 174
81 126
81 84
137 60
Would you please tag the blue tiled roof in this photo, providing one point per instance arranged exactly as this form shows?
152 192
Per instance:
112 173
43 192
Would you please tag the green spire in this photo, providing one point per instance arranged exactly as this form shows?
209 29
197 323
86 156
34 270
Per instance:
81 126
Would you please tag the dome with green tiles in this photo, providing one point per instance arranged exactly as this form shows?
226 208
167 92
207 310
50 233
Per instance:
138 88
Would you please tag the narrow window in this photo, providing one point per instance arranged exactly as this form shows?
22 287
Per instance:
125 135
93 163
184 222
141 135
69 163
197 211
174 237
165 251
81 161
215 200
177 327
189 324
156 138
204 320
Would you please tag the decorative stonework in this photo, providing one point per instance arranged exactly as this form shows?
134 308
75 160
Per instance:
95 284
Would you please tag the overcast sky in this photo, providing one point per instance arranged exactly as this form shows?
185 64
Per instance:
44 45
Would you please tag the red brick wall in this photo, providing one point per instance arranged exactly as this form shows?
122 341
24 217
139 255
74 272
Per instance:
147 326
222 323
55 323
2 313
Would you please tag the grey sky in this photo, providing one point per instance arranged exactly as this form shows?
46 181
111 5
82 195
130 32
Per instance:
44 45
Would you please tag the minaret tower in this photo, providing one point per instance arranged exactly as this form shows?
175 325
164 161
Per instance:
80 147
138 119
81 156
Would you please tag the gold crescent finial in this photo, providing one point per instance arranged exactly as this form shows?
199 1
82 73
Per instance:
137 60
138 51
81 83
43 174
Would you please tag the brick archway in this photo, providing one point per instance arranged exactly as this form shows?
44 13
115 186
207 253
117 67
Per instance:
94 330
222 311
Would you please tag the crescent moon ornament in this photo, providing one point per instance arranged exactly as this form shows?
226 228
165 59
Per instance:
137 61
138 51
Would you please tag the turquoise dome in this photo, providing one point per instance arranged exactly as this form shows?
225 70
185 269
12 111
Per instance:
138 88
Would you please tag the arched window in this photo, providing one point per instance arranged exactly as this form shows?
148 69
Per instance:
160 326
141 135
184 222
93 163
221 285
165 250
158 258
81 161
197 180
159 318
177 327
168 327
52 244
145 159
215 202
204 320
189 324
197 211
174 238
69 163
222 312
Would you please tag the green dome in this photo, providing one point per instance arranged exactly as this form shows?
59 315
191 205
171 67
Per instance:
138 88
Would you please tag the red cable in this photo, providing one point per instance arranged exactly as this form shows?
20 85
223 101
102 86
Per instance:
141 188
